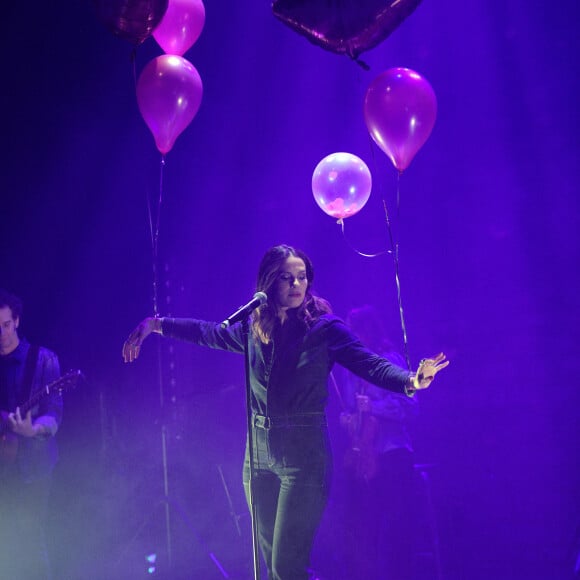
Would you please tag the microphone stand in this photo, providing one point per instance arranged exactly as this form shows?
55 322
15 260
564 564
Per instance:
246 335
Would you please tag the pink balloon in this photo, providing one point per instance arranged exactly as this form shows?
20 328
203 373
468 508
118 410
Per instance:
181 26
169 92
341 184
400 108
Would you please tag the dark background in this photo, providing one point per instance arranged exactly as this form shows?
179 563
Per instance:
489 254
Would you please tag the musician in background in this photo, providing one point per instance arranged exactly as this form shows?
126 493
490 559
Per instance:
379 476
28 451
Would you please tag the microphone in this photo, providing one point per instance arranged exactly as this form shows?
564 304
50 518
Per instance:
244 311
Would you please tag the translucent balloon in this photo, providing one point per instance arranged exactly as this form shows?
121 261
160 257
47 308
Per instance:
169 92
181 26
400 108
341 184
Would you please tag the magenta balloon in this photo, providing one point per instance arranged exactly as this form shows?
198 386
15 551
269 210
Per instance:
169 92
400 108
341 184
181 26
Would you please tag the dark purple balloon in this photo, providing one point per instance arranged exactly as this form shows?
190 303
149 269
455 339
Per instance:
132 20
344 26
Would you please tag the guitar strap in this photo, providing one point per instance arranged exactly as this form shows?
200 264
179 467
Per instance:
29 370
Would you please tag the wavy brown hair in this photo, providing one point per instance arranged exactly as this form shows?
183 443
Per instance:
264 318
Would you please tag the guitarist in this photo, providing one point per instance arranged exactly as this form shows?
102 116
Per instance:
28 451
378 466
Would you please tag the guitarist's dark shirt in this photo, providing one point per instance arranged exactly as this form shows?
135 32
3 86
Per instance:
11 367
36 457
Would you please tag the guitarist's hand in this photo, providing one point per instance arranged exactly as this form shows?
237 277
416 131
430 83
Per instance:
23 426
133 344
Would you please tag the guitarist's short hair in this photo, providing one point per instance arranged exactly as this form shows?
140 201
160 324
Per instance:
12 301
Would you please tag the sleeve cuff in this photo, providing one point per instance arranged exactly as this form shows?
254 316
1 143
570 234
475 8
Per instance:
49 424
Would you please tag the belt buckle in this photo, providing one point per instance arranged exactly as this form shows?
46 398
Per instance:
263 422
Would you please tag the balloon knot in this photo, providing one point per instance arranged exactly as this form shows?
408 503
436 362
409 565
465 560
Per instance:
360 62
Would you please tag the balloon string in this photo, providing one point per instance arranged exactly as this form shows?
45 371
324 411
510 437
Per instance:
399 173
154 230
133 59
394 251
340 222
395 254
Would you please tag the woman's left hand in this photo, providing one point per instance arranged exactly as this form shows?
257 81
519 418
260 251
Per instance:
428 368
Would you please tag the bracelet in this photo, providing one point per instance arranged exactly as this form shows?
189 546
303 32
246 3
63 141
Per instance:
410 388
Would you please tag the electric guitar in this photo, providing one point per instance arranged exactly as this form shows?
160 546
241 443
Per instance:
8 440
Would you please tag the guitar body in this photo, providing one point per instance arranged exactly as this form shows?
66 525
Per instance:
8 441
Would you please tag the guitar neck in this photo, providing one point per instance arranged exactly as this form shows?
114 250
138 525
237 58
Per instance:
34 399
65 382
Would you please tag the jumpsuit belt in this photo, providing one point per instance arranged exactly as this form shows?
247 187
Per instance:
295 420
